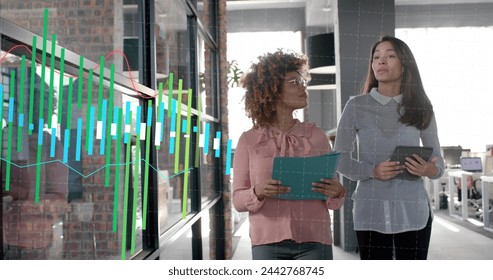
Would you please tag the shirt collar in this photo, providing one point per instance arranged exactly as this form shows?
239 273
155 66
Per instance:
382 99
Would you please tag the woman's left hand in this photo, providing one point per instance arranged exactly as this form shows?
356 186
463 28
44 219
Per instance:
329 187
419 167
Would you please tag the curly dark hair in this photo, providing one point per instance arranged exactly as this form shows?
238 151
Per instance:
264 83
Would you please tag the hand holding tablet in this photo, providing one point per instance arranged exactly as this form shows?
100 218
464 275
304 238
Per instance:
401 152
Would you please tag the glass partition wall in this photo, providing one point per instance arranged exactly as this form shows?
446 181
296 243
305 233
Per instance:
101 153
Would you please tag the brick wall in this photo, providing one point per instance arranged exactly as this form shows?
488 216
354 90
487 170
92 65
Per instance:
86 28
222 40
227 195
90 28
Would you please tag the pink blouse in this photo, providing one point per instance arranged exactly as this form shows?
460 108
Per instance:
274 220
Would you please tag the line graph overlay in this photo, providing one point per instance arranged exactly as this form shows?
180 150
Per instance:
74 83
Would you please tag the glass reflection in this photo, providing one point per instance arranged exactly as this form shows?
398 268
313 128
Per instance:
67 177
172 65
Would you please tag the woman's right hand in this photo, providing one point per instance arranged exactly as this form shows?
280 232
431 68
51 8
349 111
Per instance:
269 188
387 170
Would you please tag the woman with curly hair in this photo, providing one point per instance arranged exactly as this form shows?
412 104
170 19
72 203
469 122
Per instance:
281 229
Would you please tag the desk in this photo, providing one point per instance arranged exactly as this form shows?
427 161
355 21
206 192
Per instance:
435 184
451 189
434 187
486 184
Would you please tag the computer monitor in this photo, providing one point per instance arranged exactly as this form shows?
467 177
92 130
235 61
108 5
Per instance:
471 164
451 156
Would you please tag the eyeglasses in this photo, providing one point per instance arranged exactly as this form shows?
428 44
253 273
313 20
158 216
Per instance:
297 82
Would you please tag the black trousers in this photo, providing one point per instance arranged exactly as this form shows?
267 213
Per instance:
410 245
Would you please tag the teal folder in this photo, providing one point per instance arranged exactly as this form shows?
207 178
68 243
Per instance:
300 172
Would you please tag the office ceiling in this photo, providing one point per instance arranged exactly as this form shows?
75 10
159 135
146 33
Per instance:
266 4
319 13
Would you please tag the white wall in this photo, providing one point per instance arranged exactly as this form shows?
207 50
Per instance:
456 67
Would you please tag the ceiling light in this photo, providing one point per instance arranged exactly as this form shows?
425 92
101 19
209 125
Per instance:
322 81
320 51
321 61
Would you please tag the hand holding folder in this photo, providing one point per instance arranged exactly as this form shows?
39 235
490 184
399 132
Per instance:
299 173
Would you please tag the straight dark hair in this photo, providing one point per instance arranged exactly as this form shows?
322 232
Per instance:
418 110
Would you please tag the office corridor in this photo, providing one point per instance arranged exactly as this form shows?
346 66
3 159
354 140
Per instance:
451 239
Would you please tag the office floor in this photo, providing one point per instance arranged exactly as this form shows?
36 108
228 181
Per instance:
451 239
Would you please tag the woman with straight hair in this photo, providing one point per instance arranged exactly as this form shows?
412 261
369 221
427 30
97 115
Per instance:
392 216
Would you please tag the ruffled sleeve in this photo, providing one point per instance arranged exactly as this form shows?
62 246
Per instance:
244 199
